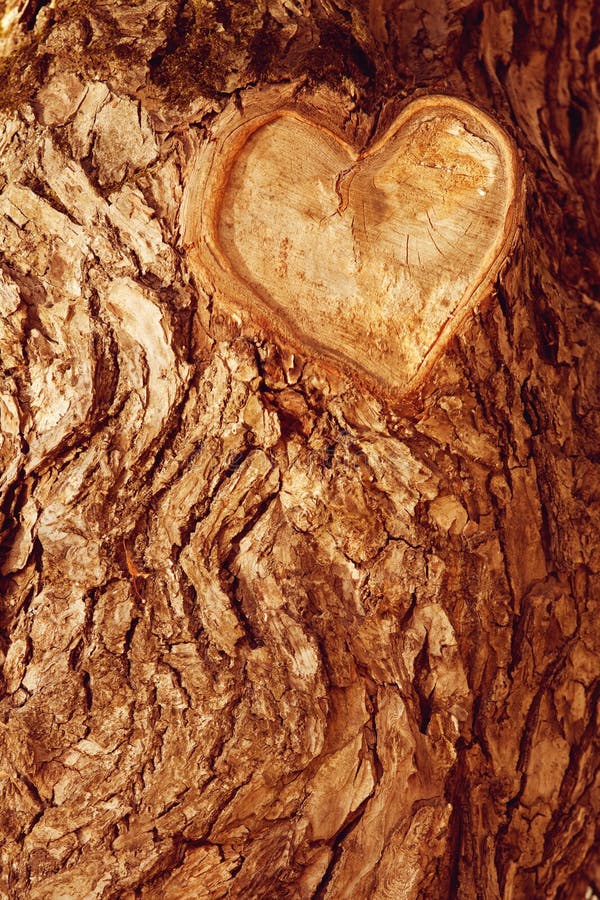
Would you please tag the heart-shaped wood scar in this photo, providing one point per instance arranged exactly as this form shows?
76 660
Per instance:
370 260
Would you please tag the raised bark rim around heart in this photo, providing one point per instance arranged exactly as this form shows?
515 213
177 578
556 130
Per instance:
207 182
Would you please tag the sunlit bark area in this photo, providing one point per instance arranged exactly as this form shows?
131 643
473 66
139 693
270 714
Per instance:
279 618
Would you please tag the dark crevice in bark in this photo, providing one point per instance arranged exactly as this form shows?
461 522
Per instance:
231 585
456 791
568 798
337 846
31 12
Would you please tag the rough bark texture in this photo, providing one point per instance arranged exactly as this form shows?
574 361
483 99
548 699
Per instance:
263 634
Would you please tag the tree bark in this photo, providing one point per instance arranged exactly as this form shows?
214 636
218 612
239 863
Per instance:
268 629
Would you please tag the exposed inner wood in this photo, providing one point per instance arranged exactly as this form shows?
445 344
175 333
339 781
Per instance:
373 258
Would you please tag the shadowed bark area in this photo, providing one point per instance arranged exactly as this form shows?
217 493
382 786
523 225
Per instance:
266 633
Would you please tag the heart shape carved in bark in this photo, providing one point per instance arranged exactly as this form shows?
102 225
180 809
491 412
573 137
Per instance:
370 260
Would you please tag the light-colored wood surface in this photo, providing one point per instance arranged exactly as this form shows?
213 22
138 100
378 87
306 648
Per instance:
371 258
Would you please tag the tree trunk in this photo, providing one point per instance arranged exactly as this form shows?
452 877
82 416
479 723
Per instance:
300 599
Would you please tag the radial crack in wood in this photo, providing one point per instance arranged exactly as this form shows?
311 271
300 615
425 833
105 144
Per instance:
371 259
